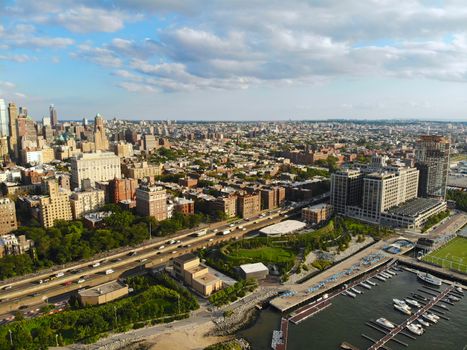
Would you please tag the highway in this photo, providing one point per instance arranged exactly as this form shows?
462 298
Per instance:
29 290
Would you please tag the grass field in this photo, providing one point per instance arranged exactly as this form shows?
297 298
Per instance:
452 255
264 254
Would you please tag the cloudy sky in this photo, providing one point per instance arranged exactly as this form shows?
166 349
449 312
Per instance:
236 59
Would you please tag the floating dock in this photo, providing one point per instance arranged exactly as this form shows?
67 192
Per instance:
279 338
399 328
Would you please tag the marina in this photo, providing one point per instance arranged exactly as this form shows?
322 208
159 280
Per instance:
352 321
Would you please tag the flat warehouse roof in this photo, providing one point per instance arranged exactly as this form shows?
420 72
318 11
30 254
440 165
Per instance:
256 267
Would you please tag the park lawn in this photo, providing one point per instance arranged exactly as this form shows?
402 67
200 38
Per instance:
455 251
262 254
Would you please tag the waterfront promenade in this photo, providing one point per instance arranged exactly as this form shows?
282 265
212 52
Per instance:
300 293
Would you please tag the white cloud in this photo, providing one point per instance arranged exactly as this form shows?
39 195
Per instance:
101 56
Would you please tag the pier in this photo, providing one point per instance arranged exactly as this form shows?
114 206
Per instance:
279 338
307 311
380 343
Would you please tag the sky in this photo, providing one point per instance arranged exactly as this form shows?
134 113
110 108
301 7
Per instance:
236 59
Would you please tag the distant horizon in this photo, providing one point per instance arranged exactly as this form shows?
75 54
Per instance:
217 60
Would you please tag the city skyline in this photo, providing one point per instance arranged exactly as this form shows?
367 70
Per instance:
259 60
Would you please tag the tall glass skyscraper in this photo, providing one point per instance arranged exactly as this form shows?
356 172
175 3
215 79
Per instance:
3 119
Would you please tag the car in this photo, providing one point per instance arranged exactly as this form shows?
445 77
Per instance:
231 225
67 283
174 252
161 247
7 287
97 264
81 280
133 253
109 271
211 239
143 260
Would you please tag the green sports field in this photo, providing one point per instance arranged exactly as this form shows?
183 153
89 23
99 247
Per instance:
452 255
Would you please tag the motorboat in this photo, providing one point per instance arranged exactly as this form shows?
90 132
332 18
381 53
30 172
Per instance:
423 322
415 329
453 298
385 275
381 278
350 294
385 323
356 290
459 290
371 283
433 315
405 310
428 278
364 285
390 272
429 317
400 302
412 302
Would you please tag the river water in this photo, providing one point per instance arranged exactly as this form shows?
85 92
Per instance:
345 320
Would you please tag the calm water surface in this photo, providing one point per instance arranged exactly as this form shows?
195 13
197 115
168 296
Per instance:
345 321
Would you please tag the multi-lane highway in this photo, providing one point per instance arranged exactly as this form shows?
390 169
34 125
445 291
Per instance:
35 289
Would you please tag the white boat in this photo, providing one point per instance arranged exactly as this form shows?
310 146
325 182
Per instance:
423 322
413 302
426 277
356 290
429 317
383 322
415 329
400 302
433 315
370 282
390 272
402 309
364 285
386 275
350 294
443 306
460 290
453 298
381 278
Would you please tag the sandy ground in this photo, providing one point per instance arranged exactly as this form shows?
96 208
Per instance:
187 338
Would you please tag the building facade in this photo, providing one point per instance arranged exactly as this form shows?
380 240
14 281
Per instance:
101 166
122 190
152 201
248 205
432 160
86 202
346 189
8 221
56 206
141 170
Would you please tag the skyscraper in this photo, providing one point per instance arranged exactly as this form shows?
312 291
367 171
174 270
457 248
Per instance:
4 132
432 159
53 116
100 138
13 116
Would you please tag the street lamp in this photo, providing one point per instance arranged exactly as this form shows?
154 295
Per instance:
56 339
11 338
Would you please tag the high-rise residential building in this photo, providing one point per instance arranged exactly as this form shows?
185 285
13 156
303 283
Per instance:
122 190
56 206
13 140
26 132
4 127
432 159
152 201
100 166
149 142
100 138
86 201
7 216
387 189
268 199
248 205
53 116
346 189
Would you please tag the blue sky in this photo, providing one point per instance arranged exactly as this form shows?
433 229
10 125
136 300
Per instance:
237 59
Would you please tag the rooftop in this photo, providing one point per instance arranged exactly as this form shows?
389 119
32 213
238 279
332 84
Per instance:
256 267
283 227
105 288
414 207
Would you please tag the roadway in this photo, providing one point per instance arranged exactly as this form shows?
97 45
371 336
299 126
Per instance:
28 291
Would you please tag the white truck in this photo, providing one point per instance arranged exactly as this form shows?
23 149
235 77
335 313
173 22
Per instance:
109 271
201 233
225 232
